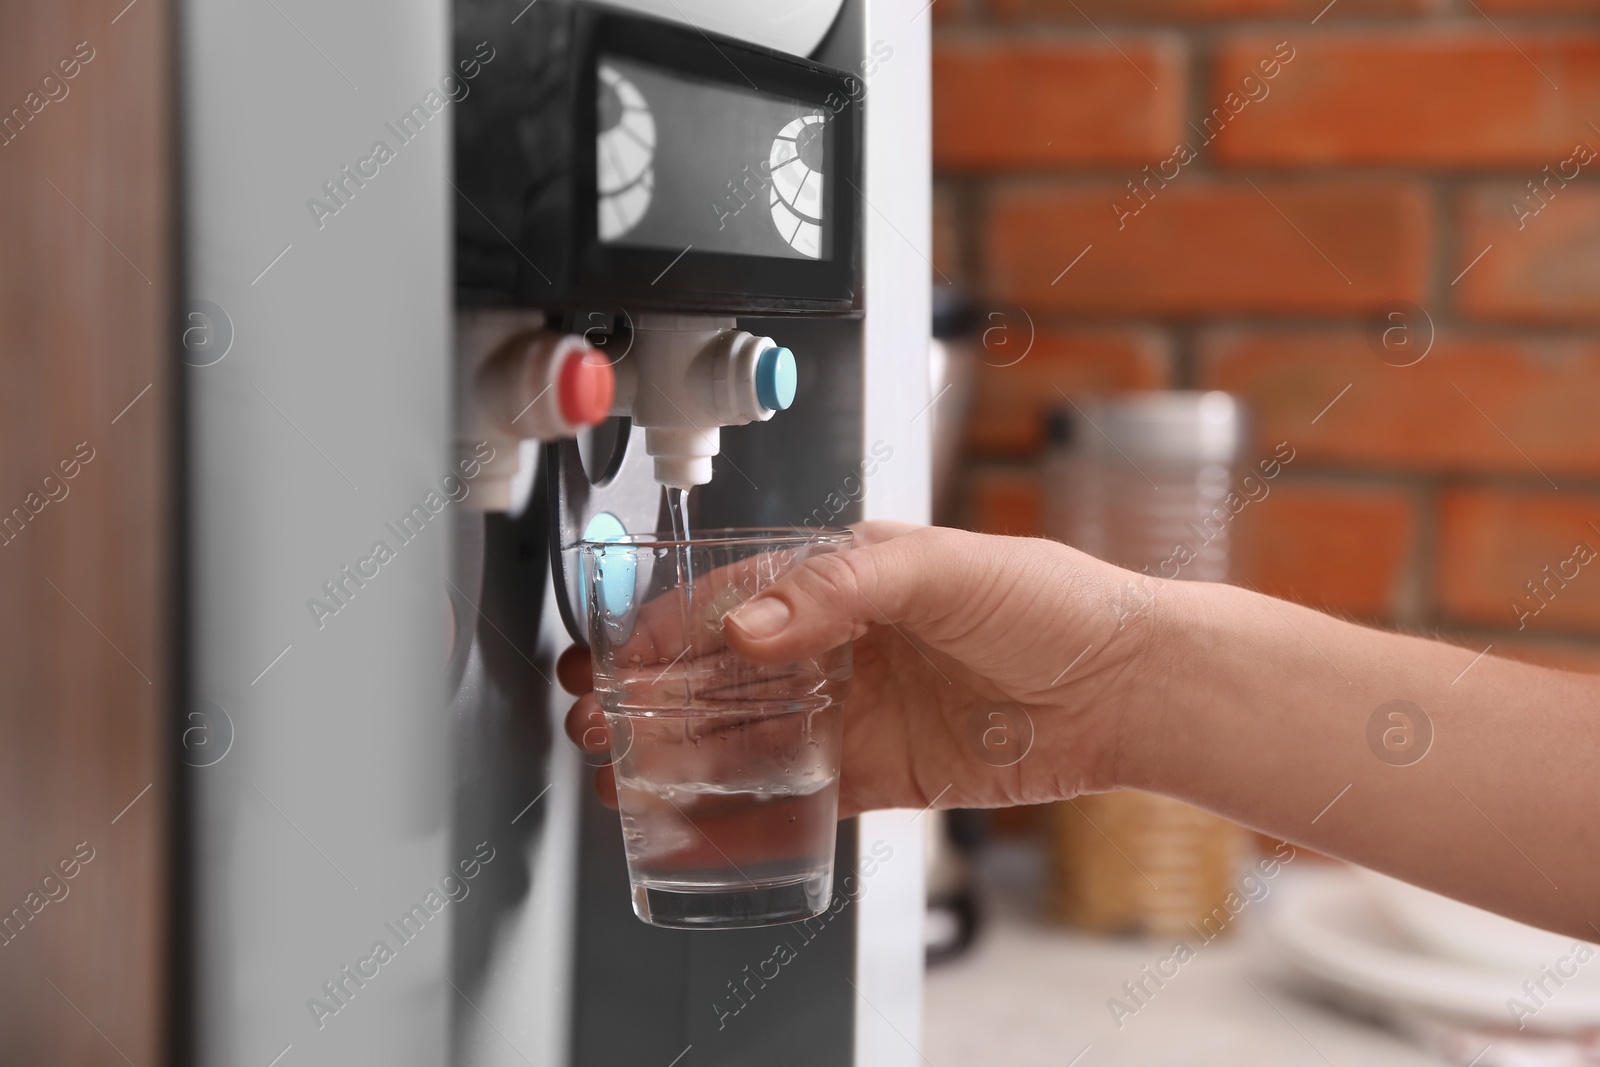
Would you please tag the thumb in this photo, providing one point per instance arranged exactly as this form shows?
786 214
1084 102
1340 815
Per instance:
831 599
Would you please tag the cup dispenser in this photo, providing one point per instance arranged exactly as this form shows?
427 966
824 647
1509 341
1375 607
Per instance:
683 213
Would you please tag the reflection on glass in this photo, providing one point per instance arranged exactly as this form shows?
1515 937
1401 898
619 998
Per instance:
796 164
624 148
687 163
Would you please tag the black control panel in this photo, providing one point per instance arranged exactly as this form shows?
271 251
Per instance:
604 158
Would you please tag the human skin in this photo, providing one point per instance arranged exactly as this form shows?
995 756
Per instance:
1250 707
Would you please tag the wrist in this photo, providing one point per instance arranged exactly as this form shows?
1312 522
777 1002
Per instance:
1164 681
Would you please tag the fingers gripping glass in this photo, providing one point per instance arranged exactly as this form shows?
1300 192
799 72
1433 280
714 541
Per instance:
726 769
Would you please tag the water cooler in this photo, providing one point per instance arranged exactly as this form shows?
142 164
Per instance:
698 206
493 274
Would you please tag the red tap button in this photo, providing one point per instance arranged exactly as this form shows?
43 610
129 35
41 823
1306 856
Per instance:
586 388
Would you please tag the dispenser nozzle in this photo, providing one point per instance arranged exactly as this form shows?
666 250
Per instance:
688 377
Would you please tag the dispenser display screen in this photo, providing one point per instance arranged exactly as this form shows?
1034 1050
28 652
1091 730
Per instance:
687 164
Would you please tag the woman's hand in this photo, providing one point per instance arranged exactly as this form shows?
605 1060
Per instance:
988 670
997 670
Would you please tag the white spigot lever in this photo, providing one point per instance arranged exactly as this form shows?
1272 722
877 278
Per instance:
518 381
691 375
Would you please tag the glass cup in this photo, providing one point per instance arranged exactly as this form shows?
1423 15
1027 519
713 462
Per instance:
727 770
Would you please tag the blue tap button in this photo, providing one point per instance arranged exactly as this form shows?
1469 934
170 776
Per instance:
776 379
614 574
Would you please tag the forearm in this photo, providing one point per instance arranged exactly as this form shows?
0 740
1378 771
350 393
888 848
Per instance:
1259 709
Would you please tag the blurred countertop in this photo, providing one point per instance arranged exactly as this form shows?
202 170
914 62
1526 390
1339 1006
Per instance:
1033 994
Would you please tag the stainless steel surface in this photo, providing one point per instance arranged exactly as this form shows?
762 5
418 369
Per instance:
329 816
518 781
897 251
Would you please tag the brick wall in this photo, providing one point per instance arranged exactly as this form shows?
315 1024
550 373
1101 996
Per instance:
1292 200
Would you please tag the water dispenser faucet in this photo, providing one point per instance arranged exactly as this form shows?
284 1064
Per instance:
687 376
518 381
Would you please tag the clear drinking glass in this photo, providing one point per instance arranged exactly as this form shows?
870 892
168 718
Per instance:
727 770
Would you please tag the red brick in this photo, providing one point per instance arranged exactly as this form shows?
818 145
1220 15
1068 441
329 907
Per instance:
1565 655
1541 7
1012 397
1422 99
1202 247
1542 267
1540 394
1492 542
951 11
1333 546
1006 103
1004 500
1206 10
